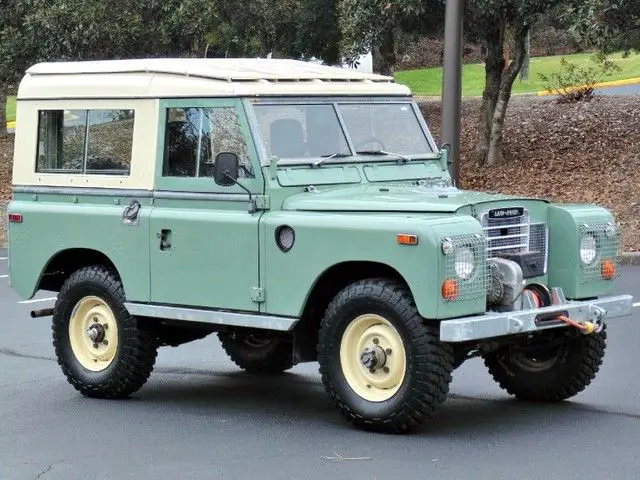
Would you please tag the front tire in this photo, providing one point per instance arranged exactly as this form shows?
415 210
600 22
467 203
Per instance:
382 365
549 374
103 351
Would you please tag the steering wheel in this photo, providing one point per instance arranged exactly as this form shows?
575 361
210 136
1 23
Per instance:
370 141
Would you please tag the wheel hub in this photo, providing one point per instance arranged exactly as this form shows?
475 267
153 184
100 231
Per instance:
96 333
373 358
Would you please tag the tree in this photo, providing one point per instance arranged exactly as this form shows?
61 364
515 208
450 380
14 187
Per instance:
498 24
606 24
373 26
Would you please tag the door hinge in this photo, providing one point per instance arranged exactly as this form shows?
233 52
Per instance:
262 202
257 294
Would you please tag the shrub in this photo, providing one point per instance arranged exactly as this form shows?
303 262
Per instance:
574 83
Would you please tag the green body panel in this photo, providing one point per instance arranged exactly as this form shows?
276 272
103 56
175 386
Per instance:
328 239
388 198
55 223
412 171
213 258
297 176
565 267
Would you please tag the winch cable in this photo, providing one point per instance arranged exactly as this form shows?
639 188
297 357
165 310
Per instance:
587 327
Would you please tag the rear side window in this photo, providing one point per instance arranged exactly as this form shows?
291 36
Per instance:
85 141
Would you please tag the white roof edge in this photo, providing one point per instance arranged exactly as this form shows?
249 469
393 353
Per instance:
225 69
191 77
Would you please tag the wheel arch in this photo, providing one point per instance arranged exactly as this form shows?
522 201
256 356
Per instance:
61 265
324 289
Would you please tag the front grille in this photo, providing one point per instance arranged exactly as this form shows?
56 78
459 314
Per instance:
506 235
516 238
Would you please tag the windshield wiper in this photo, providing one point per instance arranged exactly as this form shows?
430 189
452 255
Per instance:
329 157
383 152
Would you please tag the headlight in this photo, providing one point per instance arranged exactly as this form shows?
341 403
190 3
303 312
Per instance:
588 249
464 262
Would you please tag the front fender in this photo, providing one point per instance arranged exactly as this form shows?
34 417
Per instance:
325 239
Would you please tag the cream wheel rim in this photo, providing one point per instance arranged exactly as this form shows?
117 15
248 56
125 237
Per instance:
373 358
93 333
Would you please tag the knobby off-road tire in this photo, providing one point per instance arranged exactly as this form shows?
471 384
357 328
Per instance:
379 315
557 374
120 360
256 353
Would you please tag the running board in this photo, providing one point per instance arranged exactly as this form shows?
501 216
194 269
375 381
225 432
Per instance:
215 317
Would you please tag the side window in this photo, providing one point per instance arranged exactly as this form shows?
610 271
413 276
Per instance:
85 141
195 136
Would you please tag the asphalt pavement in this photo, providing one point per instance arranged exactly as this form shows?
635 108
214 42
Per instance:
619 90
199 417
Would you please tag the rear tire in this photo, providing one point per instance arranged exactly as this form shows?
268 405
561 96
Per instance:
551 374
382 365
258 353
103 351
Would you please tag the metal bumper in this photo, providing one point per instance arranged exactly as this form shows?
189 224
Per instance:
499 324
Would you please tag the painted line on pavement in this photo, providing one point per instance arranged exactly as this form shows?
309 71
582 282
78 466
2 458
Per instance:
37 300
636 305
4 276
4 258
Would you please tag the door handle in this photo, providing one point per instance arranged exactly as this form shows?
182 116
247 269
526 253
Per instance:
165 239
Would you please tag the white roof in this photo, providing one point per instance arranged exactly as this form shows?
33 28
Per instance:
161 77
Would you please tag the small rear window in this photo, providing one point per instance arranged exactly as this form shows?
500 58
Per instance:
85 141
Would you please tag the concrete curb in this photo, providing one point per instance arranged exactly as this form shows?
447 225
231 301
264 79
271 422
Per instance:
612 83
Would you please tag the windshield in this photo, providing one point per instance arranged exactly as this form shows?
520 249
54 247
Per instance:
315 130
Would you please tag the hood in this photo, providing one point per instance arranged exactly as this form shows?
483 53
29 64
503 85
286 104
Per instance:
391 198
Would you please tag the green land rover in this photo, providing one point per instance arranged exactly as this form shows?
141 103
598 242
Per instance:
302 213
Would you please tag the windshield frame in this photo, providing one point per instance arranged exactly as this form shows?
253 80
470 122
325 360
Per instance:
335 101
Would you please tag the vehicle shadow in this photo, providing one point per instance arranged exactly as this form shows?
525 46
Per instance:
291 398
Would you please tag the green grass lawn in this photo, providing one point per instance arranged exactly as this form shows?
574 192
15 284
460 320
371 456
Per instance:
429 81
11 109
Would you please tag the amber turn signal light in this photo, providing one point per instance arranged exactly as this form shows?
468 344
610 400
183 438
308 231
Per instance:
406 239
608 269
450 290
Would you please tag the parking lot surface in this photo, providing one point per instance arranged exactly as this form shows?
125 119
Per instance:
199 417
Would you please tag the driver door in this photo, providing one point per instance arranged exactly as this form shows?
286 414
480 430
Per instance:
204 242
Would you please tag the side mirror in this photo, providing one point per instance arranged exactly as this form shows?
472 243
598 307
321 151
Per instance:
225 170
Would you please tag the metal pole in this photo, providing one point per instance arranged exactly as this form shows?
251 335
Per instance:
452 83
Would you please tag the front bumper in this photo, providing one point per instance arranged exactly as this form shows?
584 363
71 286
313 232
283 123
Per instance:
530 319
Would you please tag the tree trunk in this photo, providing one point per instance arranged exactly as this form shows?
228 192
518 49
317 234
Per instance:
3 117
494 66
494 154
386 59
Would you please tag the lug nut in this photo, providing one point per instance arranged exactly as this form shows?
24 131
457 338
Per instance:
95 345
105 342
385 369
105 326
375 340
388 351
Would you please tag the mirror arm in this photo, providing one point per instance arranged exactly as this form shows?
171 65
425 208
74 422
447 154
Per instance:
252 203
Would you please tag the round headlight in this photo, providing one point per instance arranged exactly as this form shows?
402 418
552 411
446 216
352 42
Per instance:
588 249
465 262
